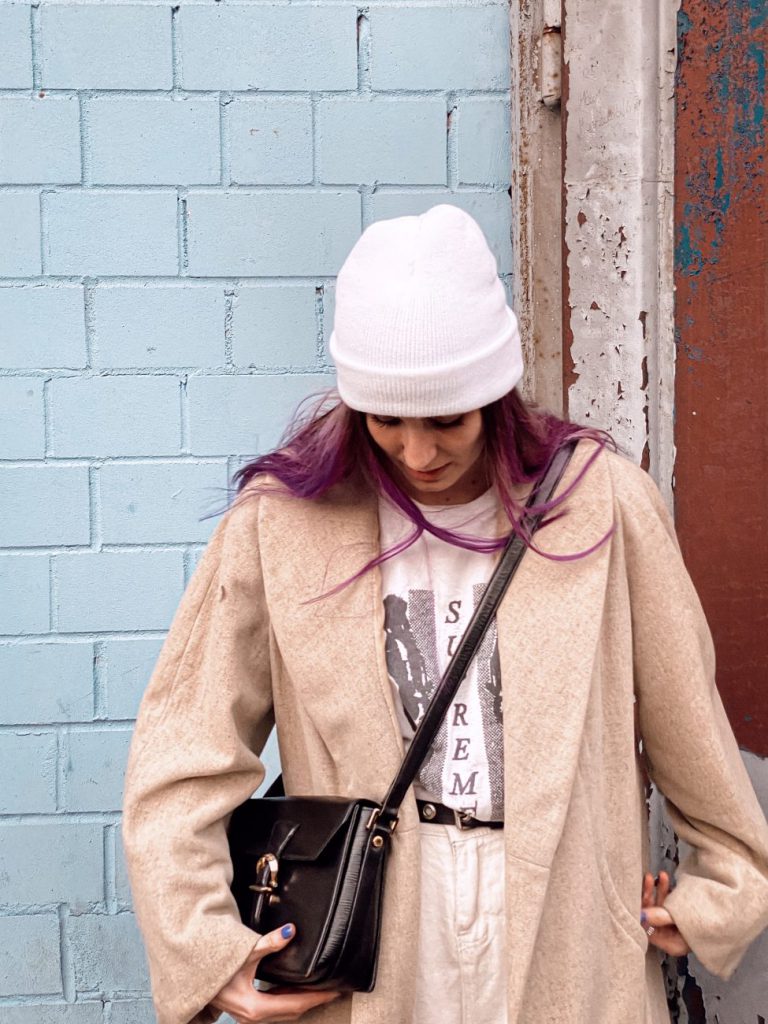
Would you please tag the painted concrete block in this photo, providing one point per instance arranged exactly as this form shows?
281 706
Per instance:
28 771
106 46
160 502
268 46
483 142
440 47
54 1013
135 1011
118 590
386 140
274 326
94 769
271 140
271 234
111 416
22 424
128 665
122 884
258 410
491 210
24 594
41 139
159 326
46 682
20 232
15 47
328 300
68 863
107 233
29 955
42 327
138 140
107 953
45 505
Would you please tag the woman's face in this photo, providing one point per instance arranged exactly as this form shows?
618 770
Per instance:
436 460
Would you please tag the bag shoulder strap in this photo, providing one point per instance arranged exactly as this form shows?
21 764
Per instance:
459 664
470 641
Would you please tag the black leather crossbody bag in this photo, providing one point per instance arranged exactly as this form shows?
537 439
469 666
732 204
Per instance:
319 861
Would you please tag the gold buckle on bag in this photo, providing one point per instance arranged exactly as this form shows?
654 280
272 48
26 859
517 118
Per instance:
269 861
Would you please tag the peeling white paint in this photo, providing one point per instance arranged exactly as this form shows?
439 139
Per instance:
620 61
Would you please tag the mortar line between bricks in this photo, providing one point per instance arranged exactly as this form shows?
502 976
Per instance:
110 860
156 372
47 414
184 424
86 153
43 210
75 817
35 36
100 669
176 67
182 232
230 295
94 508
225 147
452 146
319 323
314 126
53 594
89 315
62 754
363 51
489 92
122 726
67 966
326 189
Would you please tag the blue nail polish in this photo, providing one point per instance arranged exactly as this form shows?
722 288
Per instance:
643 917
287 931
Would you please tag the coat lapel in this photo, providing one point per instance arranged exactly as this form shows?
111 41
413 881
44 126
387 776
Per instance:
548 627
334 648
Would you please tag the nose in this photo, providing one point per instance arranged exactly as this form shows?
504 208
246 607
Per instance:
419 451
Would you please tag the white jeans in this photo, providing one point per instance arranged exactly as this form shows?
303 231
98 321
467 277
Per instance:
460 978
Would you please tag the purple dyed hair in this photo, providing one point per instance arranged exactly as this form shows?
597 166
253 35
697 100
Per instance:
328 443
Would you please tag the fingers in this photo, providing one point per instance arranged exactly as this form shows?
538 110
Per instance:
273 941
262 1007
663 888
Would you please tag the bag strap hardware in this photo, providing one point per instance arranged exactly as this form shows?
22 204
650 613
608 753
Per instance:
375 815
267 862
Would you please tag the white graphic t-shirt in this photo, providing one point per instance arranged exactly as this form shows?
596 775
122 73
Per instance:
429 592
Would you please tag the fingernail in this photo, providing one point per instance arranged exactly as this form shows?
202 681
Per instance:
643 917
286 931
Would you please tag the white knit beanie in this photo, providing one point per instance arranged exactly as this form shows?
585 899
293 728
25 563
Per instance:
421 324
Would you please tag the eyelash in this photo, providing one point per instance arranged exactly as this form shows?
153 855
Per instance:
439 426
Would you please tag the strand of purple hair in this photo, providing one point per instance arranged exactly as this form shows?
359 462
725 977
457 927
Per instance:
327 443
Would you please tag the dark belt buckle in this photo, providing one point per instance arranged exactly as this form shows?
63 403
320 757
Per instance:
463 819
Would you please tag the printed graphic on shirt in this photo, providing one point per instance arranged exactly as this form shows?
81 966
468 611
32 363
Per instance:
464 768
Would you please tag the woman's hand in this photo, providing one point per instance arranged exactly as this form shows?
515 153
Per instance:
657 921
247 1005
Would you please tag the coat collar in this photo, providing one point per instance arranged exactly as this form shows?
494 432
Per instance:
548 627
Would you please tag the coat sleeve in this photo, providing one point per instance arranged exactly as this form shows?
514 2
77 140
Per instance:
194 757
720 901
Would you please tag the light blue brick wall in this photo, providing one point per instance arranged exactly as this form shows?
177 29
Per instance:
179 184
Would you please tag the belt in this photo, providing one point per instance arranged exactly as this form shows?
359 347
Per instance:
430 811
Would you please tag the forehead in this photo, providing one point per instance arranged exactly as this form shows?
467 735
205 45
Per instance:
417 421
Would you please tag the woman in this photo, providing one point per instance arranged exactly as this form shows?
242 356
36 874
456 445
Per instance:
328 601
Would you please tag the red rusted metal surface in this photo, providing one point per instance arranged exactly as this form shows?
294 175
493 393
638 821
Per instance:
721 390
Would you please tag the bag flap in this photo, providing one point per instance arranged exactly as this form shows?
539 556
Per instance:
319 819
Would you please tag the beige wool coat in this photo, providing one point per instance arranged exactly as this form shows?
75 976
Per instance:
578 642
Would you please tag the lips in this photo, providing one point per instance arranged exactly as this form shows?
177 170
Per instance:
431 474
